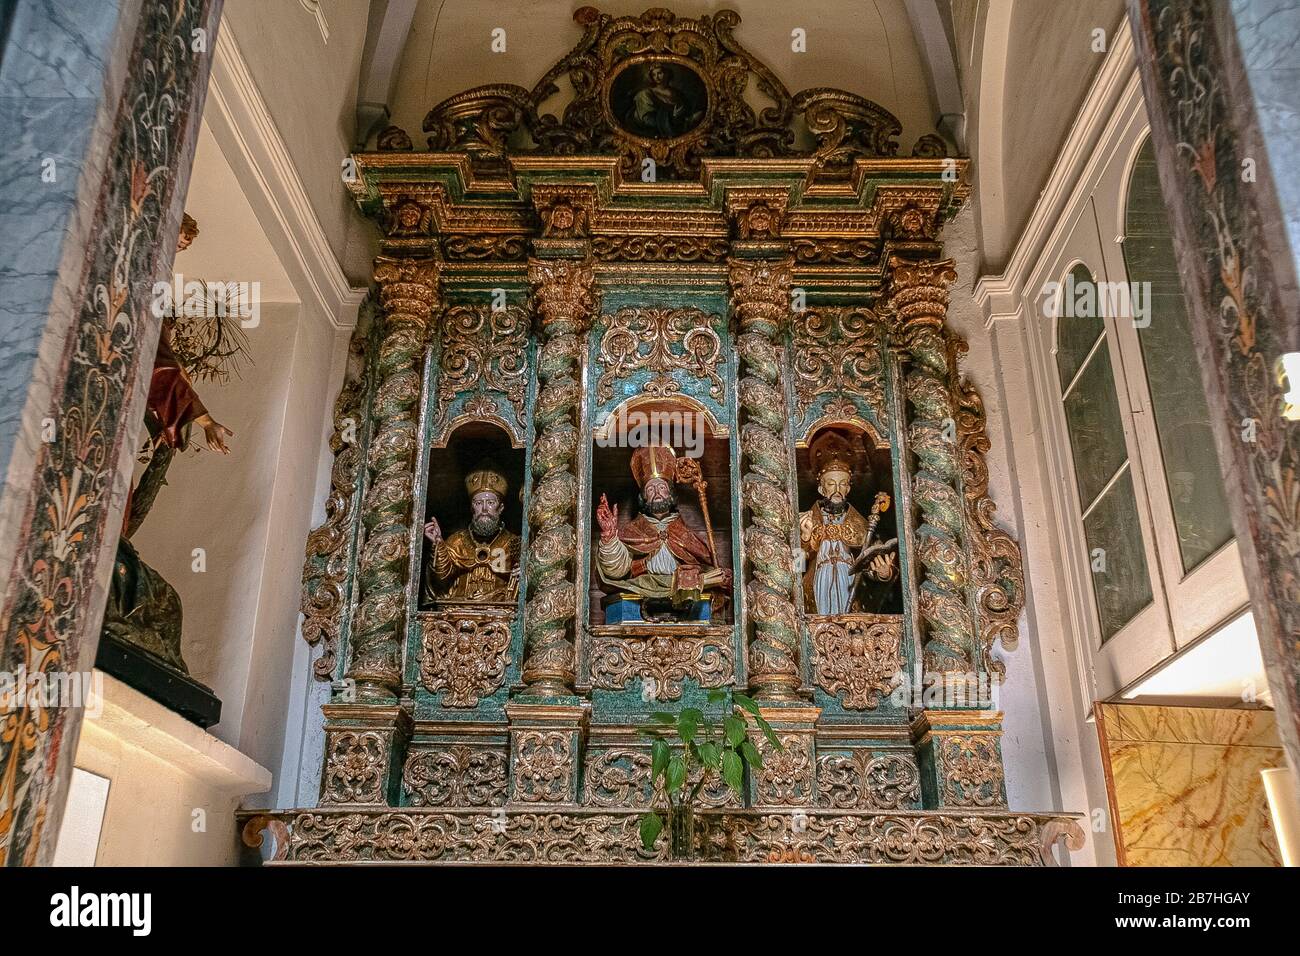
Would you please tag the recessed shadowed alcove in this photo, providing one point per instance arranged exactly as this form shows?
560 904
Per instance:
468 446
873 472
611 475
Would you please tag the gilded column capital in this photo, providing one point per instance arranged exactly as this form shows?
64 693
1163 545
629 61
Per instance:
408 288
918 292
760 294
564 294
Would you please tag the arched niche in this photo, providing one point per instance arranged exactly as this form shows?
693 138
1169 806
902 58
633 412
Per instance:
872 473
692 431
467 447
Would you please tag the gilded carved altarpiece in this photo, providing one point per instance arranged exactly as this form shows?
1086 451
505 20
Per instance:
771 271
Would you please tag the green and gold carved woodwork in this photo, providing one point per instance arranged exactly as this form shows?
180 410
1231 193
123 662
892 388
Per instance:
565 300
495 735
408 296
760 291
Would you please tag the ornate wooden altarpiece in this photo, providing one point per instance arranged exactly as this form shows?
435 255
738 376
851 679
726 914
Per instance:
765 261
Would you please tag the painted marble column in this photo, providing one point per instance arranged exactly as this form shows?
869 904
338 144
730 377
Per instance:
102 209
760 302
566 300
408 296
1219 82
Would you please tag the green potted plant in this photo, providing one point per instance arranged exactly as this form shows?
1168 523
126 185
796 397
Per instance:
690 751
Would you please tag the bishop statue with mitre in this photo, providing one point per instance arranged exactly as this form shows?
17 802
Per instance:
481 562
661 568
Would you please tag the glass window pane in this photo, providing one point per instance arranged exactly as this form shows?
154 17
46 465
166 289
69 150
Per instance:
1096 433
1075 335
1119 566
1178 403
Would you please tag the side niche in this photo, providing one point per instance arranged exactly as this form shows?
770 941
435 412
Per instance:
470 569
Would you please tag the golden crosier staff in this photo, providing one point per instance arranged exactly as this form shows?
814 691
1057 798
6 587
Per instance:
688 473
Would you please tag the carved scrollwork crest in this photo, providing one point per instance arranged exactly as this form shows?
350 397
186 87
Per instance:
666 89
464 654
837 352
663 662
455 776
484 350
660 341
857 656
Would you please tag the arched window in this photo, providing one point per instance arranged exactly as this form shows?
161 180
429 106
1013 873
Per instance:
1193 484
1121 582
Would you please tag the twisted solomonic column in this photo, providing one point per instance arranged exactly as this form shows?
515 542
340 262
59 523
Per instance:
408 296
918 297
760 301
565 300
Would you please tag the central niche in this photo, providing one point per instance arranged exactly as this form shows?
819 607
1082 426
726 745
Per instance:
658 98
661 480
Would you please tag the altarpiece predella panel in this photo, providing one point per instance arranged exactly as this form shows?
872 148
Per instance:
654 404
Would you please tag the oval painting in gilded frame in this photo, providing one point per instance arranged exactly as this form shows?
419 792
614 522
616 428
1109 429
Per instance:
658 98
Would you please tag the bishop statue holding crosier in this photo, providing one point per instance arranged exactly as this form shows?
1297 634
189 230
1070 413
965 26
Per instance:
659 567
839 547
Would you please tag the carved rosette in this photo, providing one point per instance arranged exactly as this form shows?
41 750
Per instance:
918 297
786 778
565 299
408 294
360 741
663 662
760 299
464 655
971 765
860 779
543 766
325 569
857 656
455 776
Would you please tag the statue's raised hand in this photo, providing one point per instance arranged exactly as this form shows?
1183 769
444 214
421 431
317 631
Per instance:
433 531
607 518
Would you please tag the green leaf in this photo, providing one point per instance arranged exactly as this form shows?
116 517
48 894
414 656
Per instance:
650 732
687 723
733 770
659 756
751 754
663 717
767 732
676 774
717 696
735 730
746 703
711 756
651 825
